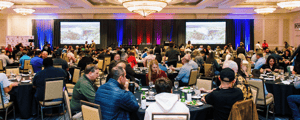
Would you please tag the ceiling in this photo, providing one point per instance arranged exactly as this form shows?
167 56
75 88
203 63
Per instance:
186 6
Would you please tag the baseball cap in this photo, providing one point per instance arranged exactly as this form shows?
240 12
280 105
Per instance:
227 75
58 53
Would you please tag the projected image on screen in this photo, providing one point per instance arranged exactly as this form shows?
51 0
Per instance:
79 32
206 32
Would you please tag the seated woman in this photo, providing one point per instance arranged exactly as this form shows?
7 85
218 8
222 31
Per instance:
154 72
286 55
240 72
211 60
270 66
131 59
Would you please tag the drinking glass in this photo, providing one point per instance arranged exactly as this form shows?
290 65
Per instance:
150 84
265 71
176 84
19 78
281 71
29 71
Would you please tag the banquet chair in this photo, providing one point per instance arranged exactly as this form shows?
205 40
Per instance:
254 91
26 66
65 57
1 67
204 83
179 65
100 64
243 110
262 101
67 101
14 70
5 107
208 70
106 62
170 116
193 77
90 111
53 90
75 78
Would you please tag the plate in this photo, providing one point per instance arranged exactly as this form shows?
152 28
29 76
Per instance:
12 79
197 103
187 90
203 94
26 81
25 74
196 97
269 79
144 89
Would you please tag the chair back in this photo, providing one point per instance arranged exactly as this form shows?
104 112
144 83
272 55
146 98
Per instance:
260 85
1 65
193 77
67 101
65 57
53 88
170 116
57 66
204 83
90 111
100 64
254 91
106 62
179 65
76 75
249 68
208 70
243 110
26 64
13 70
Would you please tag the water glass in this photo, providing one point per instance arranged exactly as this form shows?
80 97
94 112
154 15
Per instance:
150 84
29 71
19 78
176 84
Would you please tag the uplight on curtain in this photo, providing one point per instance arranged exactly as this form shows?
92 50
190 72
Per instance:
44 32
242 29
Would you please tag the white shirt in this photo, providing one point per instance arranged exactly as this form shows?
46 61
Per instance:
5 59
166 103
258 46
4 83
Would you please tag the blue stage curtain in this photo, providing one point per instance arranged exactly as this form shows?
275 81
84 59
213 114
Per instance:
44 32
120 31
242 30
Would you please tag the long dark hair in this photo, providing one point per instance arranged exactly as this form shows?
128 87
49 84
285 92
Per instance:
289 53
268 60
211 58
238 62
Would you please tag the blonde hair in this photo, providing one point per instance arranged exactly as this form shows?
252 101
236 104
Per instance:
242 56
152 62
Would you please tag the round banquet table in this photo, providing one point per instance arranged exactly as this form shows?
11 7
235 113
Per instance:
281 92
23 98
142 76
202 112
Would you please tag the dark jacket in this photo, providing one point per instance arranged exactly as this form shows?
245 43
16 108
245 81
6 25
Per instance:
115 103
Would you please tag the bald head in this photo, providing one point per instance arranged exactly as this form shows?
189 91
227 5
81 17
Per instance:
121 64
44 54
187 56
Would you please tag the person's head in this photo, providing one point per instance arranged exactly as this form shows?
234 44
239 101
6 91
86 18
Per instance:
86 42
57 54
255 73
171 45
287 53
242 56
238 62
189 42
48 62
21 48
271 61
211 56
184 60
44 54
117 57
227 76
121 64
265 41
124 56
258 42
163 85
77 47
208 47
259 55
119 73
151 51
9 46
201 46
24 52
66 46
38 53
3 51
188 56
230 64
267 50
154 66
92 40
202 53
92 72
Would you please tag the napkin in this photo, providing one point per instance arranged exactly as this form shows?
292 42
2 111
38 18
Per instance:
286 82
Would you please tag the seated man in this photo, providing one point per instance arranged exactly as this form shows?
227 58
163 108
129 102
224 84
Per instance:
6 87
255 76
191 62
83 89
23 58
200 59
39 80
37 61
260 60
224 96
184 73
114 98
166 102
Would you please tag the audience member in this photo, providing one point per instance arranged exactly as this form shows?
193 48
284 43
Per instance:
260 60
258 46
59 61
296 61
224 96
200 61
293 101
184 73
166 101
114 97
270 66
83 89
149 58
172 55
129 70
240 70
37 61
211 60
131 59
85 60
5 58
191 62
154 72
6 87
23 58
114 62
255 76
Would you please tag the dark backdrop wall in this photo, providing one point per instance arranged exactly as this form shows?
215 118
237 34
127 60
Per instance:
146 33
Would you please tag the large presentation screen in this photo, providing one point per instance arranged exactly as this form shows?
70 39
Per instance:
79 32
206 32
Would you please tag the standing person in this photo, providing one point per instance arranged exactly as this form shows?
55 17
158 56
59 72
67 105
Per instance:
224 96
157 53
93 45
83 89
166 101
296 61
149 58
131 59
265 45
172 55
154 72
286 45
8 48
114 97
86 45
257 46
189 45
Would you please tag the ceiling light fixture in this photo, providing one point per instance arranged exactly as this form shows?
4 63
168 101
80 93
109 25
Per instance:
265 11
24 11
5 4
289 4
144 7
